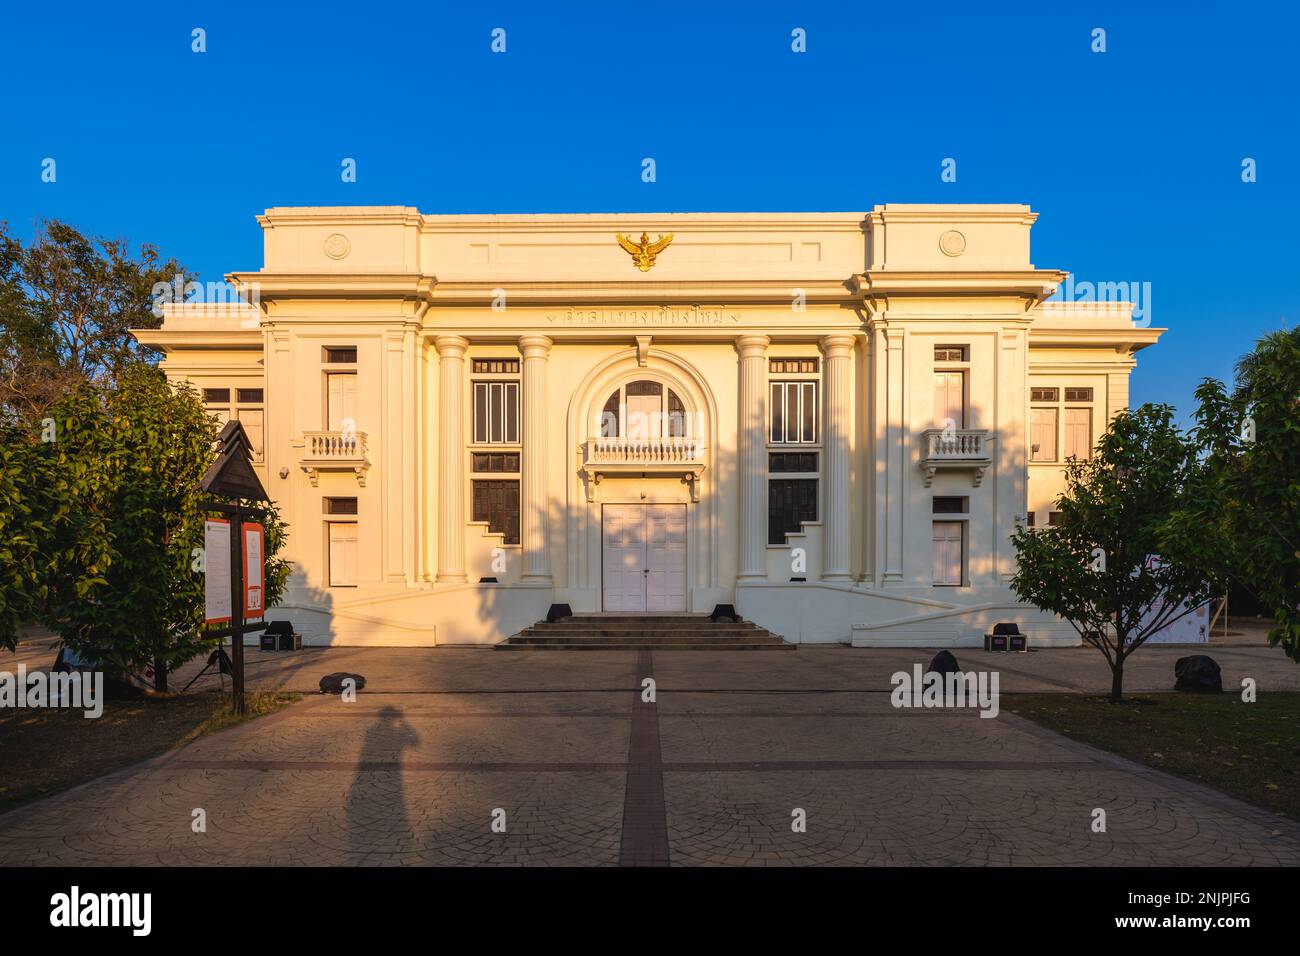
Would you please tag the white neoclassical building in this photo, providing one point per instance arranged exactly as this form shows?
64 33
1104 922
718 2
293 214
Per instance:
832 421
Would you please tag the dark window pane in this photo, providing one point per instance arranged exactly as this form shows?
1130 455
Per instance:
340 355
214 395
808 397
792 461
777 401
1078 394
950 353
1053 517
251 395
512 412
340 506
480 412
609 417
949 505
1030 521
790 502
484 462
1044 394
497 503
495 412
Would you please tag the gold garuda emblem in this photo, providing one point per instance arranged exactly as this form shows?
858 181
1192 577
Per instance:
643 253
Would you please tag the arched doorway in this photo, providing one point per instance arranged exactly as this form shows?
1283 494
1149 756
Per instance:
642 528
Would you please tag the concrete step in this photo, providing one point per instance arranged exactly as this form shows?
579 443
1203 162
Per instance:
697 645
628 632
686 622
757 637
614 630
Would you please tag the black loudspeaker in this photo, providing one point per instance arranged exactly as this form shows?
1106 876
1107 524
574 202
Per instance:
995 642
280 636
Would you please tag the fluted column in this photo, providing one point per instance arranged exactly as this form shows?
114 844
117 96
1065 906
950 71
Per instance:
537 558
750 454
451 458
837 382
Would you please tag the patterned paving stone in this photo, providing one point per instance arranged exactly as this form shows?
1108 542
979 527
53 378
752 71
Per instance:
588 774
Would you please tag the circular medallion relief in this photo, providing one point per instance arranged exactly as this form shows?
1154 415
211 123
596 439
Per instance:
952 243
337 246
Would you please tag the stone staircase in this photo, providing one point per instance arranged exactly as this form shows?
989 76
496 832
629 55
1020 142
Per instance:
644 632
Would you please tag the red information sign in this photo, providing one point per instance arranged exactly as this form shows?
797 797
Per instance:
254 570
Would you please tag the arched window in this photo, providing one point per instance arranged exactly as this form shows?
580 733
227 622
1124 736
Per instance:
644 409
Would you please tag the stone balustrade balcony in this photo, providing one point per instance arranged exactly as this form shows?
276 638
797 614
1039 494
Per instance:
334 451
959 449
667 455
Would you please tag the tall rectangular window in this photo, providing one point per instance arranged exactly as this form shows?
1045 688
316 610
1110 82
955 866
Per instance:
496 413
252 420
342 553
497 503
1078 432
949 553
341 401
949 399
246 408
793 412
1042 434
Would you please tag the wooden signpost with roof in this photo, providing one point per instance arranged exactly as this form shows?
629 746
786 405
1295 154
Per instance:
231 476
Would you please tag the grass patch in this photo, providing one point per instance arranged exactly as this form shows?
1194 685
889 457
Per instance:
47 750
1251 751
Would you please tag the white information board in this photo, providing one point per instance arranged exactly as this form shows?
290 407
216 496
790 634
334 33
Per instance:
216 575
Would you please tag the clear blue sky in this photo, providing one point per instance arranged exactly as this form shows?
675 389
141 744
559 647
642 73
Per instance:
1131 157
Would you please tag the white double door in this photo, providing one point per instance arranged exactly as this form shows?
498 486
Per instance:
644 558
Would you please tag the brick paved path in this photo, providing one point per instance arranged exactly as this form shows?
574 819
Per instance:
586 773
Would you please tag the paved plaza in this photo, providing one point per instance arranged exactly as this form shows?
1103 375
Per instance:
561 748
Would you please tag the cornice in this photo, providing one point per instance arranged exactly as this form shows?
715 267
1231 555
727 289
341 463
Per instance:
615 292
1123 340
334 285
905 212
847 222
1032 285
352 215
167 340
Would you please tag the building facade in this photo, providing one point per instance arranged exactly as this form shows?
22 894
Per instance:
832 421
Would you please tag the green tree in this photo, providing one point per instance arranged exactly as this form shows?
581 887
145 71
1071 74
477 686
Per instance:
53 551
126 590
67 303
1094 568
1244 521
